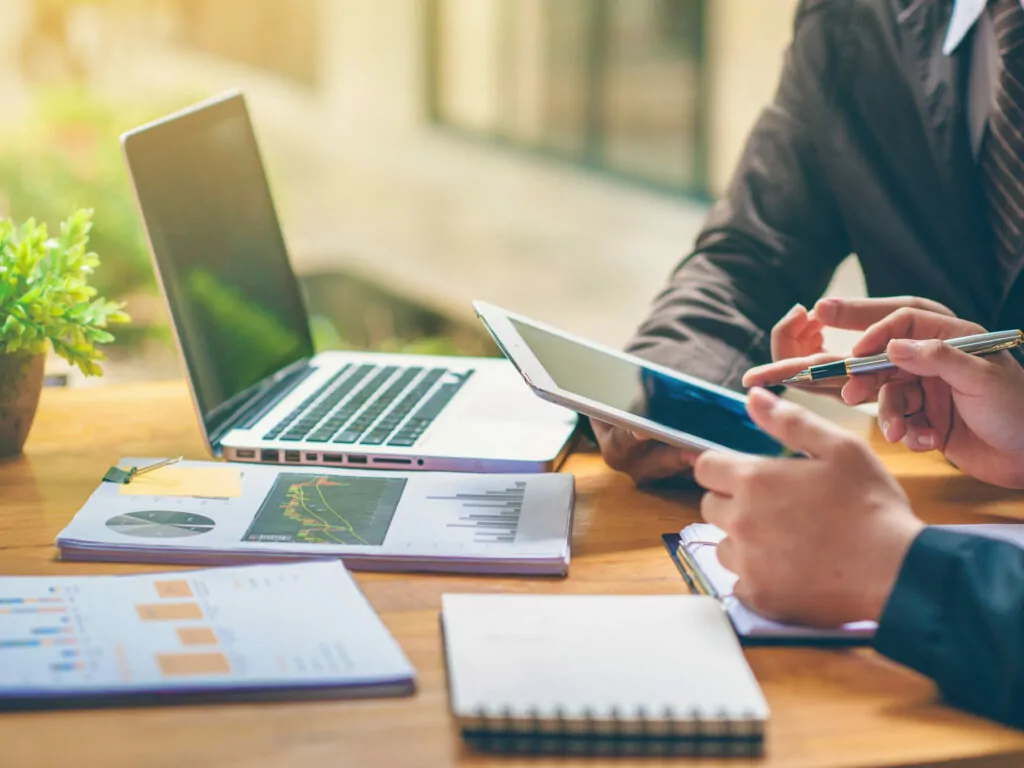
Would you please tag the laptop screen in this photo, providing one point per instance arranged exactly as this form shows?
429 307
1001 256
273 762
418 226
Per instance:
219 250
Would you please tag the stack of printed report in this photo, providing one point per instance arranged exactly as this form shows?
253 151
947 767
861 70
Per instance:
391 521
265 630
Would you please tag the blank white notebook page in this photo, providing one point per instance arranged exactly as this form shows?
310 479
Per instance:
614 657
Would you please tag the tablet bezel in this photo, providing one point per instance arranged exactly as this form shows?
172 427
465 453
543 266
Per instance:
499 325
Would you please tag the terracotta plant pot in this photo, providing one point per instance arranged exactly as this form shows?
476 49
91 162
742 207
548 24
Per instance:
21 381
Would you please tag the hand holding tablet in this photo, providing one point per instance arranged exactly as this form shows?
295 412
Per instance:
625 391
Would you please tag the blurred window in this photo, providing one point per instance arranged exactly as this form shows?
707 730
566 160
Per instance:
613 84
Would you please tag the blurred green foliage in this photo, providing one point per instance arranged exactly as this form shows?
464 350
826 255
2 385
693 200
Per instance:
45 296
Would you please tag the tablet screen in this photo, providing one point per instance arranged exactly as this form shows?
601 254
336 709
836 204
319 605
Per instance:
677 403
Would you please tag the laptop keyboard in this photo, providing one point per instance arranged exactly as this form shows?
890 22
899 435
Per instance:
371 405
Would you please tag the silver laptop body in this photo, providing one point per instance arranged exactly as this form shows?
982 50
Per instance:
261 393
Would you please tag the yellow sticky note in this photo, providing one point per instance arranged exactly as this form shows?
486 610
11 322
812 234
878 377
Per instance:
206 482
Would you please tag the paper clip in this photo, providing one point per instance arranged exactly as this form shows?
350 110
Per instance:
125 476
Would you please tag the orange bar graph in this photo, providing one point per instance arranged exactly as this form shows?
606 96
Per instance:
176 588
169 611
178 664
196 636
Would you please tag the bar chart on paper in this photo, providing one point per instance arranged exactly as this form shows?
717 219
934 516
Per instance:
250 628
37 626
491 516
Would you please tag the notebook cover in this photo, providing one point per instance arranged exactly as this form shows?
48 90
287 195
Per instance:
672 542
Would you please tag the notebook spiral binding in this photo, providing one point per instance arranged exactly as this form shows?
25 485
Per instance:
691 733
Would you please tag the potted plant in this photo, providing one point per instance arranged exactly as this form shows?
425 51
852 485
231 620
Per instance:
46 301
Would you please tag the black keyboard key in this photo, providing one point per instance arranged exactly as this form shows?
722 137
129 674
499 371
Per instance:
280 426
345 411
301 428
424 417
372 412
411 399
355 403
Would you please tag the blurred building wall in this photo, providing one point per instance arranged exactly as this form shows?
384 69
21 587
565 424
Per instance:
746 44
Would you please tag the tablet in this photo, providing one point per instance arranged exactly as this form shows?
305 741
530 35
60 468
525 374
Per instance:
625 390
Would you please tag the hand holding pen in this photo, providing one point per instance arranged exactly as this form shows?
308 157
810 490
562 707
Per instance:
975 344
797 343
934 396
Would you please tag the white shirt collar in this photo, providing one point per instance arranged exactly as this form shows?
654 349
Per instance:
965 15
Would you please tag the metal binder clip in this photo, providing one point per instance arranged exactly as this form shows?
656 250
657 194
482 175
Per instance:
125 476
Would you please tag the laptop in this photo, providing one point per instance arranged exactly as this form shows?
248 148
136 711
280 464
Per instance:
261 393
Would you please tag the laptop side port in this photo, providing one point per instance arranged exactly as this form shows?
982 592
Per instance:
269 455
311 457
356 459
245 453
292 456
403 462
333 458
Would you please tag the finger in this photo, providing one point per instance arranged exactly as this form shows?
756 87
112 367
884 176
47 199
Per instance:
859 314
792 425
864 387
773 373
715 509
786 333
892 409
728 554
811 338
928 429
742 592
912 324
616 443
965 373
621 450
662 462
716 471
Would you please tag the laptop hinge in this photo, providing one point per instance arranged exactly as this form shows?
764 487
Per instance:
249 406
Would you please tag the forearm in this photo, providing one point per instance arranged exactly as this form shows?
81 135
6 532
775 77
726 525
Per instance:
956 615
714 318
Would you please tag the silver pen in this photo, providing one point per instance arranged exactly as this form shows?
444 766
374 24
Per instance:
981 344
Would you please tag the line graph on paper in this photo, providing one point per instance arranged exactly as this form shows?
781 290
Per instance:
327 509
491 516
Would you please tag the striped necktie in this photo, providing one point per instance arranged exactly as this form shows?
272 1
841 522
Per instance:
1002 156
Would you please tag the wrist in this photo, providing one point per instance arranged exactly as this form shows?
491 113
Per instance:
890 549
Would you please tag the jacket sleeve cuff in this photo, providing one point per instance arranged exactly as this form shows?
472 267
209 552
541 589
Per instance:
911 628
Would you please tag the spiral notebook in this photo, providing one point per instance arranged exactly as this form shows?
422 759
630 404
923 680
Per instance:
695 552
590 674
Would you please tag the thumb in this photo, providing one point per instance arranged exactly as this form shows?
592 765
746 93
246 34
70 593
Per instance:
793 426
934 358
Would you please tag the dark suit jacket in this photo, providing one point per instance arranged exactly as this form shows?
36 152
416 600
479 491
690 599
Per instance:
865 150
957 615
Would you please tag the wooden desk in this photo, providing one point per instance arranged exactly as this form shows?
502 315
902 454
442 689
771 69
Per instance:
829 707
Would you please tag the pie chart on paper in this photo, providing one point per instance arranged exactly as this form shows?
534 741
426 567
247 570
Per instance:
160 524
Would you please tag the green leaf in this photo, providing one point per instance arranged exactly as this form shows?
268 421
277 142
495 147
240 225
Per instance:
45 296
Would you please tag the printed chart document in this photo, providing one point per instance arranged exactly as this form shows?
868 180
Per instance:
698 545
475 523
298 628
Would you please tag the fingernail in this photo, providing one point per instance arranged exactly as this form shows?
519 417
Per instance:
885 429
825 307
926 440
903 348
